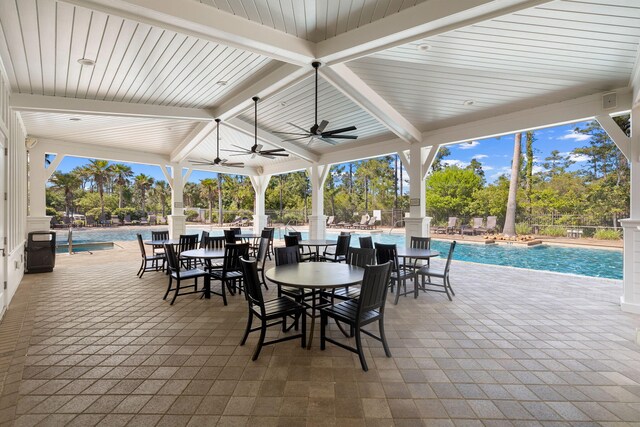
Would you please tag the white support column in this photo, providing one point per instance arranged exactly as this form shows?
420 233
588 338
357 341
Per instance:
39 174
177 220
317 220
417 165
260 219
630 146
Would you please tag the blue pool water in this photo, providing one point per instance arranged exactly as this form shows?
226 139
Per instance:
583 261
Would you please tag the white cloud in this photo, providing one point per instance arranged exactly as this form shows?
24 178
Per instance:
576 157
469 145
480 156
487 168
537 169
575 136
458 163
505 170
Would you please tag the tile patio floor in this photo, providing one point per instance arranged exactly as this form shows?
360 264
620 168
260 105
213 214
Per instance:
90 344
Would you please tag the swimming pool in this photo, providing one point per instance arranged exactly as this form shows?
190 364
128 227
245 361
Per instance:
583 261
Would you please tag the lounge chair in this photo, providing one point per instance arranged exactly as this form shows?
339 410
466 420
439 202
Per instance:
115 221
152 220
491 224
452 225
363 221
144 221
330 221
127 220
369 225
236 221
476 227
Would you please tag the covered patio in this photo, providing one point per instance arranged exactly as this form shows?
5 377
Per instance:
143 82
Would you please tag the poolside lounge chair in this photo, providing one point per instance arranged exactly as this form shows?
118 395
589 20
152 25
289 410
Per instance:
475 228
491 224
363 221
91 221
152 220
330 221
236 221
115 221
144 221
127 220
369 225
452 225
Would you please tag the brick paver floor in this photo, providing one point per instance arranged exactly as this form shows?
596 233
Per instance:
91 344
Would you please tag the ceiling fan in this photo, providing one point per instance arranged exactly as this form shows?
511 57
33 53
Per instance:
318 130
256 149
217 161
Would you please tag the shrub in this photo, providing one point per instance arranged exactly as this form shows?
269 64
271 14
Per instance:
122 212
52 212
607 234
553 231
523 228
191 214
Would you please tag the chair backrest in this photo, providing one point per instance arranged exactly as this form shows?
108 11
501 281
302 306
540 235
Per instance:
214 242
477 222
143 252
233 252
127 218
342 246
203 238
252 283
296 233
420 242
187 242
361 257
345 233
160 235
387 253
290 240
452 221
172 260
372 221
363 220
229 236
267 232
288 255
449 257
263 249
330 220
366 242
491 222
373 291
236 230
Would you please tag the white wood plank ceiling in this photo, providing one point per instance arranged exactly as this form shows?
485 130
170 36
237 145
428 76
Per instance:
313 20
504 56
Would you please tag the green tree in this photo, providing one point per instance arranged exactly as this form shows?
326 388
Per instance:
162 192
510 217
209 189
100 171
66 183
143 184
450 192
121 175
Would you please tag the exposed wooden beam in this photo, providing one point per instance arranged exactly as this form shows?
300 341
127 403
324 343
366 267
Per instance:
277 79
58 104
571 111
248 129
346 81
423 20
208 23
195 137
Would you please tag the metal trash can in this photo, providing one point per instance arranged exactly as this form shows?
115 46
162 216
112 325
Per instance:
41 251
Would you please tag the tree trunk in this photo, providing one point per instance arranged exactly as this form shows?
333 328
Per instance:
510 218
529 170
220 219
210 211
120 195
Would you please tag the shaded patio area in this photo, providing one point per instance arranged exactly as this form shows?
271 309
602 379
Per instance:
91 344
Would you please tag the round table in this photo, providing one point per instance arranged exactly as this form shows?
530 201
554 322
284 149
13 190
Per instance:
313 276
317 243
159 243
207 255
416 254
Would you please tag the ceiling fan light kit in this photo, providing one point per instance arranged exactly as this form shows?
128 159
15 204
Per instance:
318 131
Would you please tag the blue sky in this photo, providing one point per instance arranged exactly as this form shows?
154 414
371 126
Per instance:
494 153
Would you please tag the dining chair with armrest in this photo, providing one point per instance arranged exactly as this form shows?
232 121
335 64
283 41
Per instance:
339 254
177 274
266 311
357 313
230 276
399 274
427 272
366 242
293 240
153 262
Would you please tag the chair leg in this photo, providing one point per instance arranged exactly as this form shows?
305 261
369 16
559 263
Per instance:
246 332
363 362
323 330
168 288
263 332
303 339
383 338
140 270
446 289
264 281
397 295
177 292
224 293
450 288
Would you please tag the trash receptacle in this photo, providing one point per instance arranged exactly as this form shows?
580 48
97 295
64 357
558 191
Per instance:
41 251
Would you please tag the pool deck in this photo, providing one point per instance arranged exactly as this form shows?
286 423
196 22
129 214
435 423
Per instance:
91 344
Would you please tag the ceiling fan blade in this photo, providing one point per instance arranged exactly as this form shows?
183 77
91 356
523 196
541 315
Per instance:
295 139
202 163
258 147
327 140
236 151
278 154
322 126
253 155
273 150
234 165
236 155
291 133
341 130
266 156
298 127
343 136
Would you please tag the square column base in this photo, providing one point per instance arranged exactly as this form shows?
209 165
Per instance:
38 223
630 299
317 226
418 227
177 225
259 222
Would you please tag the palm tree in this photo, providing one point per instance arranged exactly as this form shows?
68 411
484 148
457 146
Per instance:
219 199
510 217
121 173
143 183
191 194
162 191
67 183
100 172
209 188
